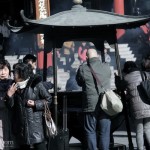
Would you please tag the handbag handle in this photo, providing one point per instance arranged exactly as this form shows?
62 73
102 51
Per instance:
47 112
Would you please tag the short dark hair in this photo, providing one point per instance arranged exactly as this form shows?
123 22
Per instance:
4 63
23 70
29 57
128 66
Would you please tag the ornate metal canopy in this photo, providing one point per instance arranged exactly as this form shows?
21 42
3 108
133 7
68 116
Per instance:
79 16
80 22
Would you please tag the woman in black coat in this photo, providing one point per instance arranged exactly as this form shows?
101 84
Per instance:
6 137
26 97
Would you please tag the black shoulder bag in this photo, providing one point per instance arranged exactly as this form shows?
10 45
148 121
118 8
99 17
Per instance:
145 85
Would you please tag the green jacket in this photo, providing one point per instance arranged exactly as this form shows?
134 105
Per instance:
85 79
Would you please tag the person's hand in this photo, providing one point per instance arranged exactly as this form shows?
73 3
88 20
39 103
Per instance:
30 103
12 90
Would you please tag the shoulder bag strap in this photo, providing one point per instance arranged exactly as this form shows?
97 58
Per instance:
143 75
95 76
97 79
146 75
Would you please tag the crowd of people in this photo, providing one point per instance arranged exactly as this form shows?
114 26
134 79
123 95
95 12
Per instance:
22 100
23 95
70 48
97 123
21 106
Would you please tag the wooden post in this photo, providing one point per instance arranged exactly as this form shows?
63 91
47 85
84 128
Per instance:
42 11
119 9
55 82
123 98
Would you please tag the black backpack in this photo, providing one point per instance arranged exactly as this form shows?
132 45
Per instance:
145 86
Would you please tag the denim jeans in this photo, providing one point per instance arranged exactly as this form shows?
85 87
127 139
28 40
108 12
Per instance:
142 128
97 131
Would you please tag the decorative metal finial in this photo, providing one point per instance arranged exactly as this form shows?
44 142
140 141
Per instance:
77 2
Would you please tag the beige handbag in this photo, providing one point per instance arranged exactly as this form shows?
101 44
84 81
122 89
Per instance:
111 103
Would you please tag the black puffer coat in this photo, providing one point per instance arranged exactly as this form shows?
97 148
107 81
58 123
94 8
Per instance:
28 121
5 117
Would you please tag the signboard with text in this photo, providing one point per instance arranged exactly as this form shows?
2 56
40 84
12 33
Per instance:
42 11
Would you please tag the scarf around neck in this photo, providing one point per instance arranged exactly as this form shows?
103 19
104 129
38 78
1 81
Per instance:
22 84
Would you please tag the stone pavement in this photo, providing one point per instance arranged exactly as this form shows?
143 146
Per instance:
120 137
